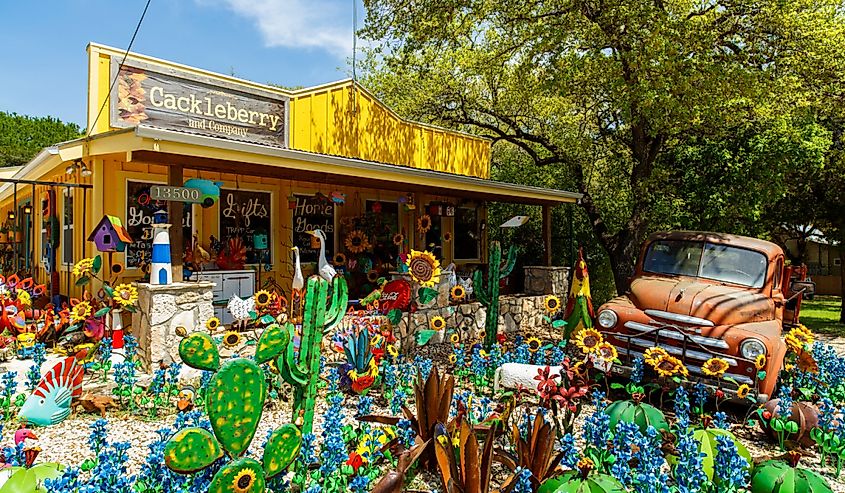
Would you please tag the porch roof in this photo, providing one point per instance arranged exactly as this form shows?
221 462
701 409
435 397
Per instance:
168 147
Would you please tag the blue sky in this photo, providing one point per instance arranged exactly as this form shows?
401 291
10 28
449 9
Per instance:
291 42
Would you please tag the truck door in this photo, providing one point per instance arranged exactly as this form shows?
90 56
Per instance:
793 277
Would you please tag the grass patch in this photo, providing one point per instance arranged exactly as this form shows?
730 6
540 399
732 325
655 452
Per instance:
822 315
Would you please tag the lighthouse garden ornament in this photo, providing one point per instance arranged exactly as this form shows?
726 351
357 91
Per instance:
160 269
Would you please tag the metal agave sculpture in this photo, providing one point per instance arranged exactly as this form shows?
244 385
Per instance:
235 398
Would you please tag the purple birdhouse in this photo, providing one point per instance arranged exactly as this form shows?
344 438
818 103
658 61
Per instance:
110 235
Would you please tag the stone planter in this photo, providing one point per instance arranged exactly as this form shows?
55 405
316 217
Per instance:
163 308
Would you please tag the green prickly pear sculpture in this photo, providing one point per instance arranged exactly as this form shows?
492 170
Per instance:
489 295
302 369
235 401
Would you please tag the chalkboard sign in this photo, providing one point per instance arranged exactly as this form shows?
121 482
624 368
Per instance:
139 218
243 213
312 212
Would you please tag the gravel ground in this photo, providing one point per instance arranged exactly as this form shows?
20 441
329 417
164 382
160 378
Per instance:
67 442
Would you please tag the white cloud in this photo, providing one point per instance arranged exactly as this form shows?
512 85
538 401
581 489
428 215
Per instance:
319 24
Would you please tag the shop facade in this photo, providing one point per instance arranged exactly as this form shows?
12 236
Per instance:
283 163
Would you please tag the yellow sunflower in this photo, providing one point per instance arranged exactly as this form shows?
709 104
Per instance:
458 293
760 361
398 239
453 358
743 390
81 311
607 351
715 367
125 294
552 304
262 298
232 339
212 323
424 223
372 275
588 340
24 298
243 481
356 241
798 338
669 366
533 344
339 260
437 323
423 267
391 350
653 354
455 338
83 267
447 237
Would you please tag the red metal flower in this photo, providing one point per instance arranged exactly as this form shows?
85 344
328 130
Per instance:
360 384
501 338
355 460
547 385
767 415
568 397
720 394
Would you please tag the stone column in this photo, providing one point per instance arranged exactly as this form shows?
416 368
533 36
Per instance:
163 308
546 280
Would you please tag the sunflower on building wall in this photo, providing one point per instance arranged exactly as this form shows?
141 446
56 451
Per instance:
447 237
458 293
398 239
423 268
339 260
356 242
424 224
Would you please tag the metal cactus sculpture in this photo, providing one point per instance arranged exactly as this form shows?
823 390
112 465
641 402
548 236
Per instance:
302 369
235 401
489 295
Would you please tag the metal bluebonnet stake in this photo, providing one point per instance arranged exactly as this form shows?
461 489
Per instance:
302 369
489 295
235 397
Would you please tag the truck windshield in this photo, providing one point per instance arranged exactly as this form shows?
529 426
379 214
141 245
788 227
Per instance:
706 260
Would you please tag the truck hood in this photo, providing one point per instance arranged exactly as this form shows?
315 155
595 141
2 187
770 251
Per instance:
722 305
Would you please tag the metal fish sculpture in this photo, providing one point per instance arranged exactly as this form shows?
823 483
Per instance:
49 403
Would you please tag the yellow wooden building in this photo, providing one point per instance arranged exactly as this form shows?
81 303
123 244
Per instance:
285 161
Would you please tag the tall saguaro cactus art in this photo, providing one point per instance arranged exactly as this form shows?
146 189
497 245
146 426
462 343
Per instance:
301 368
489 295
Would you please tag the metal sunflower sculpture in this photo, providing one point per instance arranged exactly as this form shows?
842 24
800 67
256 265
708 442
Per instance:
357 242
424 268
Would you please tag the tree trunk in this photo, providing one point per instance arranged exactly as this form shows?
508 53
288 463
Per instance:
842 274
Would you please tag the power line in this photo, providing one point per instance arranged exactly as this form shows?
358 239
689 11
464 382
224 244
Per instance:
125 54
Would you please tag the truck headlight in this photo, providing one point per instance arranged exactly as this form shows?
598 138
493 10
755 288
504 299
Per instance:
607 319
751 348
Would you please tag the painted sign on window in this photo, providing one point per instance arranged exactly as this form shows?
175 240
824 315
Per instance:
313 212
245 214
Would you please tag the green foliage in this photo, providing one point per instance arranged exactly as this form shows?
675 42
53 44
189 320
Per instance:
614 99
22 137
573 482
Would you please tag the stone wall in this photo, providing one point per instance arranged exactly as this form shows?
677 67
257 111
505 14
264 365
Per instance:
516 313
547 280
162 308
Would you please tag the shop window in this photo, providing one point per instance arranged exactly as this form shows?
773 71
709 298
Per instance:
67 228
382 222
434 237
467 234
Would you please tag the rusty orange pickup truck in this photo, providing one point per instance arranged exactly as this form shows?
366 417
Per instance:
700 295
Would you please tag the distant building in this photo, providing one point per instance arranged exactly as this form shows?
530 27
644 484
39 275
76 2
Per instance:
824 263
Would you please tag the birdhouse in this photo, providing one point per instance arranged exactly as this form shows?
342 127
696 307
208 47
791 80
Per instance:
110 235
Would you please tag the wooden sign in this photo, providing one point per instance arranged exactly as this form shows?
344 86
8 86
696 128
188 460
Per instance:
245 213
140 208
172 98
309 213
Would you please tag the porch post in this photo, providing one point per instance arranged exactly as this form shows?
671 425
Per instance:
175 213
547 235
